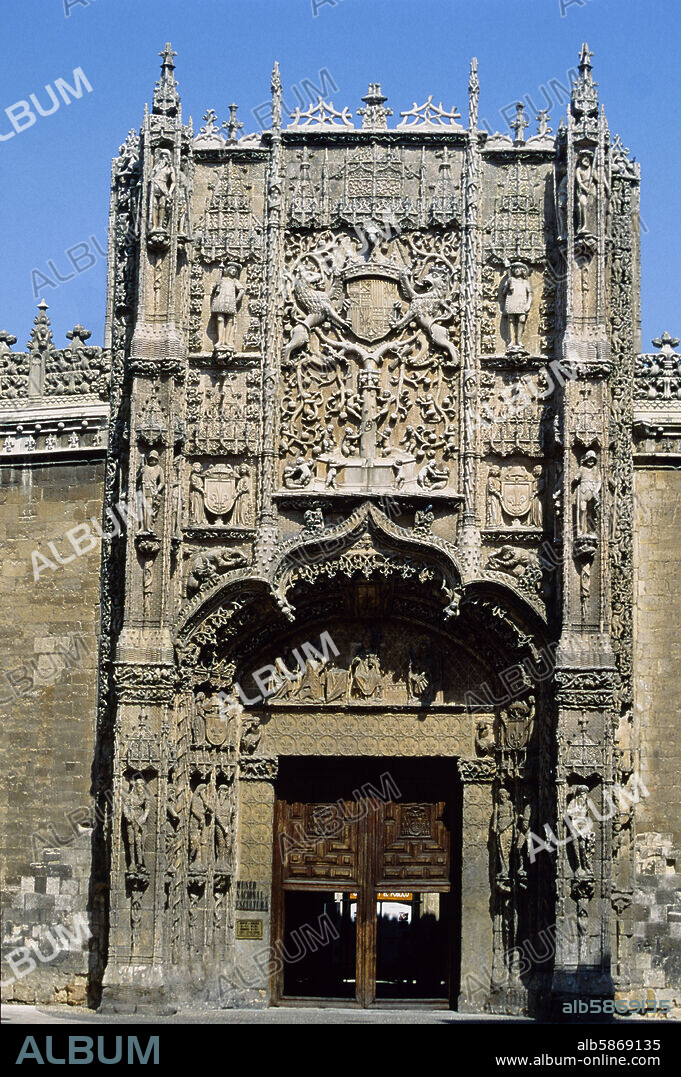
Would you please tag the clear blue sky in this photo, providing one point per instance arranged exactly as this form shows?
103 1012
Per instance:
55 173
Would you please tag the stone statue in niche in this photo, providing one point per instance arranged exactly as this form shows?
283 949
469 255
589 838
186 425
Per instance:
537 506
250 737
225 302
494 511
224 824
484 738
136 809
522 840
587 483
432 477
365 678
150 482
584 179
516 300
183 219
582 828
241 497
297 476
200 817
161 189
197 514
503 828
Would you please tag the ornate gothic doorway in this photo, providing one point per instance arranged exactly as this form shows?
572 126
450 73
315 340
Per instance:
366 907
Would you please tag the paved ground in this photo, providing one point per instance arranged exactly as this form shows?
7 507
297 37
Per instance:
285 1015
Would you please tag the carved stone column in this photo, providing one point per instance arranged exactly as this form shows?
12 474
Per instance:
585 675
477 776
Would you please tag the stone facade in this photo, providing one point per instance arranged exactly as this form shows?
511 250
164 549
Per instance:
374 387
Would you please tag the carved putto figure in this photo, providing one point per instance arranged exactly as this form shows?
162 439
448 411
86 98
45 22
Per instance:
136 809
226 300
432 477
587 484
150 482
161 189
516 296
298 475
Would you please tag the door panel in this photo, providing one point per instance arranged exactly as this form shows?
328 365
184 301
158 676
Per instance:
319 841
378 876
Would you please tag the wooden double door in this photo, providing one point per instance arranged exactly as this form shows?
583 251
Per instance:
365 905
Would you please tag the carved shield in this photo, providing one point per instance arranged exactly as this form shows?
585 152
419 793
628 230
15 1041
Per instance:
372 303
220 489
517 488
516 732
217 726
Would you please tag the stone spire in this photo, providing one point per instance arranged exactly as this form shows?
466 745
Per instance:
41 338
40 344
166 97
584 92
473 95
275 88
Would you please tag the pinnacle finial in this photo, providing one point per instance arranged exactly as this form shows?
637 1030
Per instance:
473 95
166 97
585 58
275 89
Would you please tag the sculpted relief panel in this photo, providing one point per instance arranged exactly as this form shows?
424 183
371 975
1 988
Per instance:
370 365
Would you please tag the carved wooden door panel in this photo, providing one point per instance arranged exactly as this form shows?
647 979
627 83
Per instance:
375 872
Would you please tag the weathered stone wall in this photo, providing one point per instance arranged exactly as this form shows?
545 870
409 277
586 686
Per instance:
48 658
657 665
657 603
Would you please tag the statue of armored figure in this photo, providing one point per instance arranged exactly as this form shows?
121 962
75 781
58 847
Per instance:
587 485
150 482
225 303
516 298
135 815
161 189
582 828
200 815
